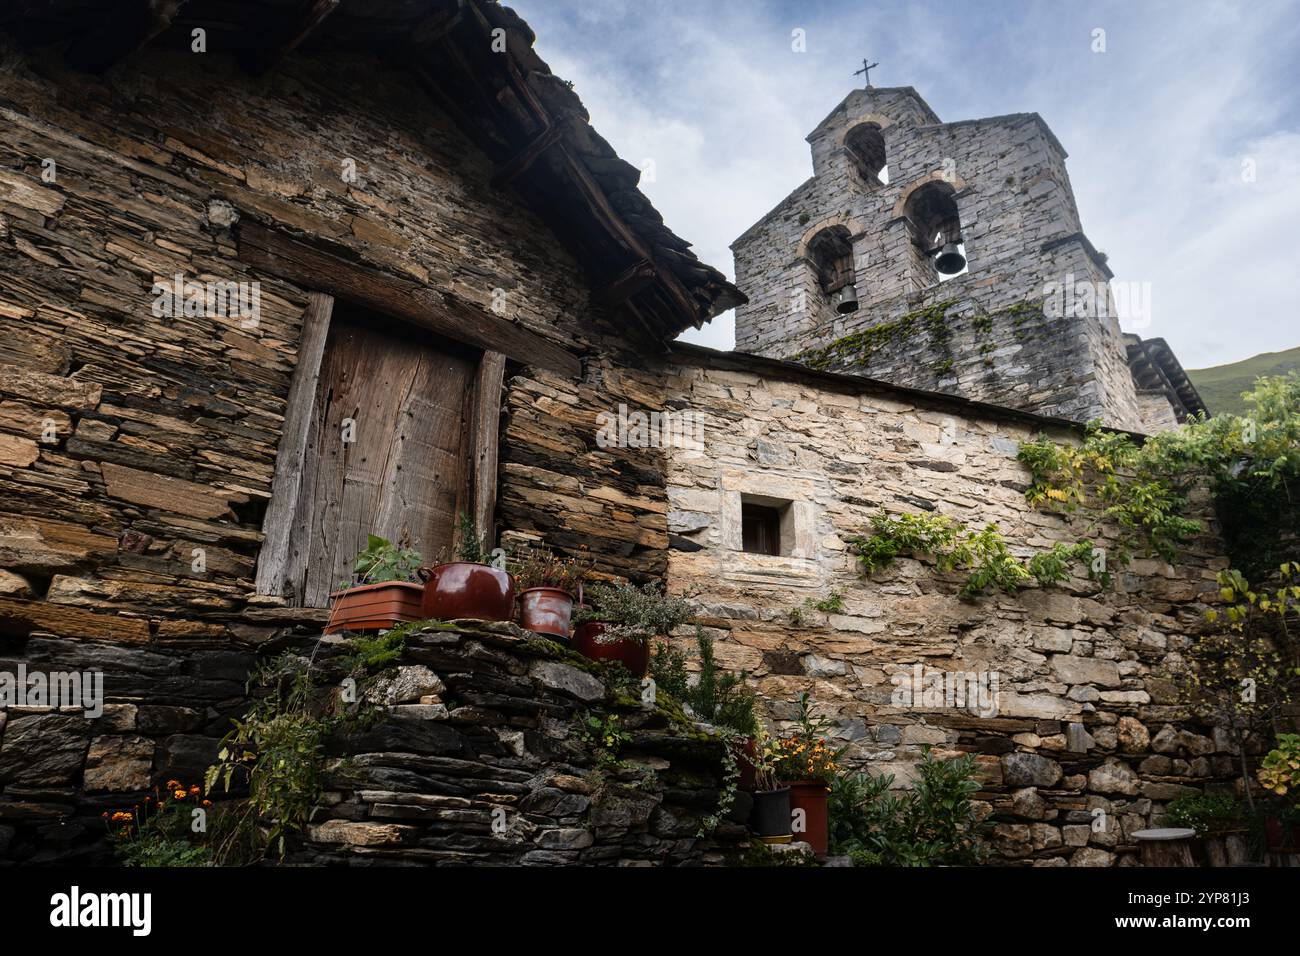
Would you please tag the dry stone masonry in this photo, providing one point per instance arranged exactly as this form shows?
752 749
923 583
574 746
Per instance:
995 333
1084 727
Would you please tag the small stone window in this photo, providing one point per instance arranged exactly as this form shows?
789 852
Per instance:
766 525
866 146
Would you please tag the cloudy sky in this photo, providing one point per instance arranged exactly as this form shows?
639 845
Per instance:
1163 128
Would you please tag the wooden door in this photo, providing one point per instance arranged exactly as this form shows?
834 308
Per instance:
386 449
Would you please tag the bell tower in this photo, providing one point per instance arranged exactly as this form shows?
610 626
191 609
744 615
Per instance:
925 254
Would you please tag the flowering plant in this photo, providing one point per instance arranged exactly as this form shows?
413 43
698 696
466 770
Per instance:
538 568
157 832
805 754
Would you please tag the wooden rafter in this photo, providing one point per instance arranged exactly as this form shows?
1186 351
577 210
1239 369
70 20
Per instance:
122 35
313 14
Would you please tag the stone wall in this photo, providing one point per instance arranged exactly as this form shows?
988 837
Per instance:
481 760
1083 719
1021 231
128 441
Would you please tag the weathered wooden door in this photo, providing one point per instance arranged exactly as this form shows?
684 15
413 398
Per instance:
384 450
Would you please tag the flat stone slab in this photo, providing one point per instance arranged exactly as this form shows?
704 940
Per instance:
1165 833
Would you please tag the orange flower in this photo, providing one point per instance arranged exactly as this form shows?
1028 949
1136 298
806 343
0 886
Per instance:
173 784
179 794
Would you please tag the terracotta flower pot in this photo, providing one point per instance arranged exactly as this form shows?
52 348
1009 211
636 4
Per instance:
810 796
745 761
374 607
1281 837
546 611
634 655
770 818
463 589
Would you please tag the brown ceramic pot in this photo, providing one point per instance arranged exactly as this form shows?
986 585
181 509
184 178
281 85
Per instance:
374 607
463 589
546 611
1281 837
633 655
810 796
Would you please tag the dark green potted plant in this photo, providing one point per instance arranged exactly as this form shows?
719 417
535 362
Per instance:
469 588
622 621
1219 821
770 818
383 592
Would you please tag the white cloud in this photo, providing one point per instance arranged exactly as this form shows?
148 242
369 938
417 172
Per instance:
1156 126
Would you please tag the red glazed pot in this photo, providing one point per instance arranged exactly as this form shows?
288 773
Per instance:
745 762
374 607
810 797
1280 837
633 655
546 611
463 589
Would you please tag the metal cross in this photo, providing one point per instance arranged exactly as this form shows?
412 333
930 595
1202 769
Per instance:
866 71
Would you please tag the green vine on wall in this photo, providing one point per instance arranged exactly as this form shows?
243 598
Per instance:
1250 464
954 545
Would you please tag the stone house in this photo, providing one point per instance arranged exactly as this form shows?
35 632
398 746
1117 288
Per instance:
274 278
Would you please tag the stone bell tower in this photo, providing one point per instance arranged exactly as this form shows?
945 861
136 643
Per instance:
938 256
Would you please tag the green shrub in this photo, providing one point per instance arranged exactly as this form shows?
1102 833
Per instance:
1205 813
934 824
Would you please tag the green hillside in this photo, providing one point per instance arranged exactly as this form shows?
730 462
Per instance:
1222 385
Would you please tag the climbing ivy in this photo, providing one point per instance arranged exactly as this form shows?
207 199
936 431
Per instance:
955 545
1250 464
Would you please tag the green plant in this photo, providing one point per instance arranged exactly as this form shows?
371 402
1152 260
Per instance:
851 794
668 670
1280 770
166 829
371 654
276 748
721 697
469 545
633 612
805 754
1243 673
383 561
603 734
833 603
1207 814
953 544
1143 490
934 824
538 568
731 748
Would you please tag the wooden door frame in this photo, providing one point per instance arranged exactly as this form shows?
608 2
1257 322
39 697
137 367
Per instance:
478 490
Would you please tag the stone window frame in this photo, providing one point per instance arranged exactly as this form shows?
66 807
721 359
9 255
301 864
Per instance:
798 538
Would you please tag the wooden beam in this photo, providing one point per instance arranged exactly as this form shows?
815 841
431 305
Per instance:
122 35
505 172
312 16
484 441
435 26
275 564
277 254
628 284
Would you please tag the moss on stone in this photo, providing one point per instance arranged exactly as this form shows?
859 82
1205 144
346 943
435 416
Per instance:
856 349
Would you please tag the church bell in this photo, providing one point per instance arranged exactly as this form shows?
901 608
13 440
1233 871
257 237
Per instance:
950 260
848 300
